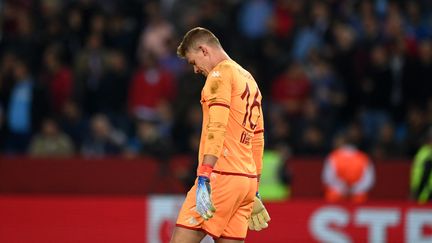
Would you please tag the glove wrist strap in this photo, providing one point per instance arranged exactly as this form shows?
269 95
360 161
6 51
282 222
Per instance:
205 170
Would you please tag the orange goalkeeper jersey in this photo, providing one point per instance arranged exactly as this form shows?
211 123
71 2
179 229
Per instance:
233 122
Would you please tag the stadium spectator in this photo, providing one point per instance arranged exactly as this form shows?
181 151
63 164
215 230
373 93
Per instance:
149 141
189 130
282 20
280 130
311 141
156 35
150 88
306 40
417 87
98 24
345 60
171 62
310 130
26 105
103 139
118 34
57 77
387 144
415 127
73 33
20 35
355 134
90 64
399 61
291 89
51 141
73 123
375 92
8 60
326 90
416 25
253 19
111 96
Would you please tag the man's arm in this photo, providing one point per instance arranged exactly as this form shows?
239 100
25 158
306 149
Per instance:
209 160
258 146
217 93
259 218
216 130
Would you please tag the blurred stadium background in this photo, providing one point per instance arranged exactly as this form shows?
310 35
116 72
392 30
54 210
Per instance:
100 121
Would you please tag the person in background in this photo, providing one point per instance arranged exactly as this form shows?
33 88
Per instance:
149 141
57 77
150 89
291 89
387 145
348 173
51 141
91 63
275 179
103 138
112 91
421 172
25 108
73 123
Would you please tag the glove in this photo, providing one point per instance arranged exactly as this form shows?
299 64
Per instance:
204 204
259 217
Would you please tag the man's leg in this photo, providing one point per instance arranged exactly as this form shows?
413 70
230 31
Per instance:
182 235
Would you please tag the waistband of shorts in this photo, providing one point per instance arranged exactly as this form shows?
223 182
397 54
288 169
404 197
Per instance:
234 174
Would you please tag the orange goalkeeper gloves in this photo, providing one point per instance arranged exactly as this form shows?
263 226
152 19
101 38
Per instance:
259 218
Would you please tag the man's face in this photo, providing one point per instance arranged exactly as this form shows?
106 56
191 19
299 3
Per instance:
199 59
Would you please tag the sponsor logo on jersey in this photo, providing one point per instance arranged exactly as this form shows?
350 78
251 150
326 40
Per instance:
215 74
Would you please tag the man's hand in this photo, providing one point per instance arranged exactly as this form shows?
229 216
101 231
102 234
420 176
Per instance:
204 204
259 216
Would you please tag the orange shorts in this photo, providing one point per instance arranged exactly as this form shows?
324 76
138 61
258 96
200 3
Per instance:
233 198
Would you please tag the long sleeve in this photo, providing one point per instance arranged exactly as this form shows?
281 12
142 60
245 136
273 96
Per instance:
258 144
218 119
217 93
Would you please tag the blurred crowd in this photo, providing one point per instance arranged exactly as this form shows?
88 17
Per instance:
101 77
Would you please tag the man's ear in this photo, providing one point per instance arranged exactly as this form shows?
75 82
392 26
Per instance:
204 50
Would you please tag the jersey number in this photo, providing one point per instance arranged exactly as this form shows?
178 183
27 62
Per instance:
255 103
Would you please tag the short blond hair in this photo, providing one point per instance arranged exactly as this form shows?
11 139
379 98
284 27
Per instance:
194 37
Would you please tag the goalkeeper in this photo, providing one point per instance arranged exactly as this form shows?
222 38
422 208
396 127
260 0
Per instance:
224 200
